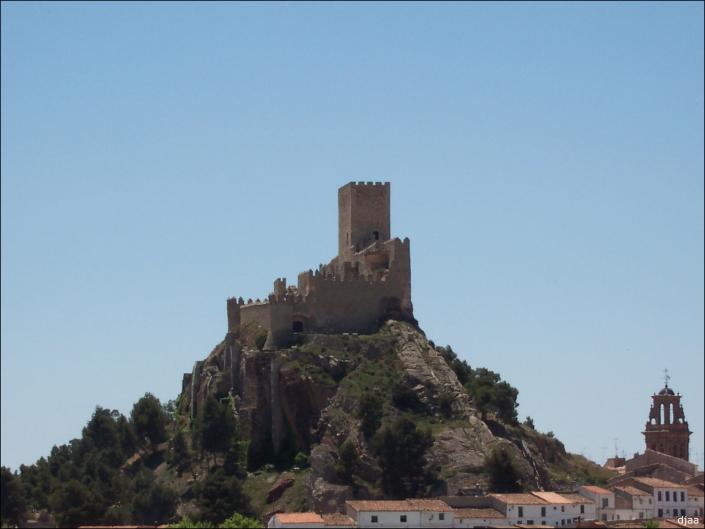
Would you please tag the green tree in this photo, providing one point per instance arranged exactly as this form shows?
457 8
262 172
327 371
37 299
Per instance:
216 426
12 500
149 419
460 367
348 461
187 523
401 454
101 432
492 395
405 398
219 496
370 413
72 504
238 521
529 423
156 505
504 477
445 405
179 454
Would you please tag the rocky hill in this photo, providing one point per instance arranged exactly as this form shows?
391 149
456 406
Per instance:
306 399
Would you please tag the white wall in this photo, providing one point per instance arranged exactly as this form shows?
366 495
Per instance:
667 506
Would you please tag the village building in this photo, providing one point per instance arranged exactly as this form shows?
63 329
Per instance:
479 517
401 513
670 499
696 505
631 503
604 501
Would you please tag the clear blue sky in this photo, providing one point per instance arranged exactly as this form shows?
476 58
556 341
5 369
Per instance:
546 162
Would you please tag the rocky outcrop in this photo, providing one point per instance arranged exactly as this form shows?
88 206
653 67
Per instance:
283 482
305 398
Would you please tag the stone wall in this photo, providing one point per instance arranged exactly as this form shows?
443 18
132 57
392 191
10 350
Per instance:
363 214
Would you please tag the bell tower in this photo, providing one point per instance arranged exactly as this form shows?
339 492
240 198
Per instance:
667 430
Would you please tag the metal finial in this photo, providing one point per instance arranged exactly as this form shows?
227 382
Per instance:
666 377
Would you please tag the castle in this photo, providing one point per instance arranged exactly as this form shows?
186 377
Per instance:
367 282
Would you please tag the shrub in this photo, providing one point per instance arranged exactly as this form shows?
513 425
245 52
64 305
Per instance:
301 460
504 477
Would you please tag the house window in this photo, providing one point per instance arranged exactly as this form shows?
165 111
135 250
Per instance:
521 512
442 516
605 502
562 508
402 518
562 522
660 513
582 509
658 495
529 522
297 326
668 495
682 496
375 234
682 512
641 515
543 511
374 518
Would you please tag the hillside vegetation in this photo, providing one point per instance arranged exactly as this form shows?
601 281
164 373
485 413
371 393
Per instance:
387 415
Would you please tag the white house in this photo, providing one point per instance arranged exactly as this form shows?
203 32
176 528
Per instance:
478 517
403 513
582 508
632 503
670 499
695 502
521 508
604 501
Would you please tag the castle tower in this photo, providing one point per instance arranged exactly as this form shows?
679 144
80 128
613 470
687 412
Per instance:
363 215
667 430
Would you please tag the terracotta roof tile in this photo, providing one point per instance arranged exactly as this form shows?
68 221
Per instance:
659 483
596 490
519 498
552 497
632 491
338 519
299 517
473 512
574 497
400 505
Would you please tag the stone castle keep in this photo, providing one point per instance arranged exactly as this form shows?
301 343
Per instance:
367 282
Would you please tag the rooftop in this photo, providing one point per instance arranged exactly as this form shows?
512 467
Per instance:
399 505
338 520
595 489
632 491
472 512
299 517
519 498
658 483
553 497
574 497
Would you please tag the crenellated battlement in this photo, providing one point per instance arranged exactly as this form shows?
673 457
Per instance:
368 184
369 279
